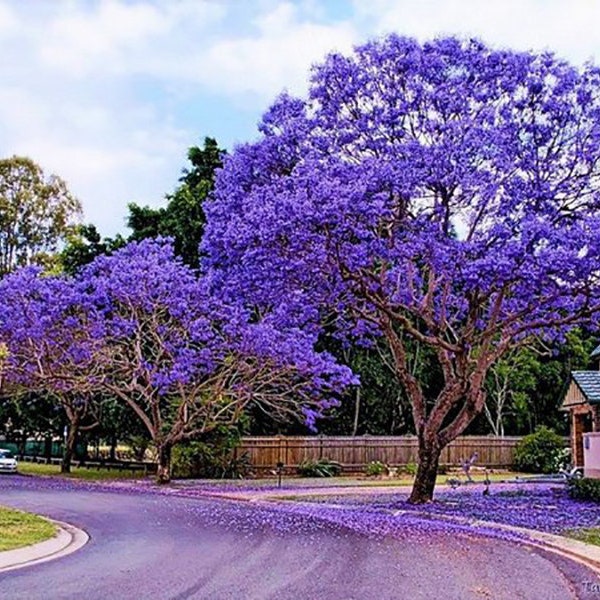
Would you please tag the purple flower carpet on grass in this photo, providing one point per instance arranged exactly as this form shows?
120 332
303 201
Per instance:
542 507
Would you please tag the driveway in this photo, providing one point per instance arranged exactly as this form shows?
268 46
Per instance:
149 545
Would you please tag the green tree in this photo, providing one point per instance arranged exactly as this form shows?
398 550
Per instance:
183 217
84 244
525 389
30 416
37 213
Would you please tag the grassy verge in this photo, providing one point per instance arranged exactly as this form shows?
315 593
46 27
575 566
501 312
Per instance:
92 474
589 536
18 529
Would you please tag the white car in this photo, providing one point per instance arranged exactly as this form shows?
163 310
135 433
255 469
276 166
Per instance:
8 463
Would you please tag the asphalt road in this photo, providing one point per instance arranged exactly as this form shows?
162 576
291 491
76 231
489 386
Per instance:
160 547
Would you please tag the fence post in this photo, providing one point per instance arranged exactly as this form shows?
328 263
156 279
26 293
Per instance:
280 457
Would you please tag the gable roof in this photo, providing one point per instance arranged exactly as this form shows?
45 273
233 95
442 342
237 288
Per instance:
589 384
595 353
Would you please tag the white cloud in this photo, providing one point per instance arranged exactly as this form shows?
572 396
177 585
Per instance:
174 42
568 28
8 21
106 92
122 37
278 56
77 41
109 155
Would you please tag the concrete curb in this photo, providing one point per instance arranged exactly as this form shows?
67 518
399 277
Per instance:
583 553
69 539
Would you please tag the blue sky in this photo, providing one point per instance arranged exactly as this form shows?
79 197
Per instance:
110 94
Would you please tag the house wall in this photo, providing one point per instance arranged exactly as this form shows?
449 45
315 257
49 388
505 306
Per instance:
584 418
591 455
574 397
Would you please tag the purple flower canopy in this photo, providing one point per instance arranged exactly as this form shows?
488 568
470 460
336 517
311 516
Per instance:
441 195
51 341
140 319
446 182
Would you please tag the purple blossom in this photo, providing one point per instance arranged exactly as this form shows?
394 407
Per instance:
141 326
442 194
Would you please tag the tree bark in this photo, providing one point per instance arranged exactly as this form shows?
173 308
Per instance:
22 444
65 466
424 485
356 412
47 449
113 448
163 472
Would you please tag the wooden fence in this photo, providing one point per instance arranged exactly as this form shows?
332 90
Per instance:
354 453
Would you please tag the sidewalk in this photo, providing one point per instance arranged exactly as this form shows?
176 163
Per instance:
67 540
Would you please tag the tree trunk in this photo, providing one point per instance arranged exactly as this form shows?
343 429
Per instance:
163 472
424 485
47 449
113 448
356 412
65 466
23 444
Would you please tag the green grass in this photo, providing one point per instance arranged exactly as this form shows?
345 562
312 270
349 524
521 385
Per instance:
93 474
18 529
589 536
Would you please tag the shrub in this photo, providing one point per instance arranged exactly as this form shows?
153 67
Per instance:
411 468
375 468
211 458
540 452
585 489
319 468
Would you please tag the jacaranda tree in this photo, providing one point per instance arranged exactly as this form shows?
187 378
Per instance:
185 361
442 195
53 348
141 327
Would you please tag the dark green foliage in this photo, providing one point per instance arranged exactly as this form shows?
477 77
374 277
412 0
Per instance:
211 458
319 468
84 245
525 388
540 452
119 423
183 217
29 416
585 489
380 405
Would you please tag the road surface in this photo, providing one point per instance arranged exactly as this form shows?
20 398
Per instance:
146 545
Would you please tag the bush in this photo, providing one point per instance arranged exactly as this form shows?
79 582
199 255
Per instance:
585 489
375 468
319 468
211 458
411 468
541 452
